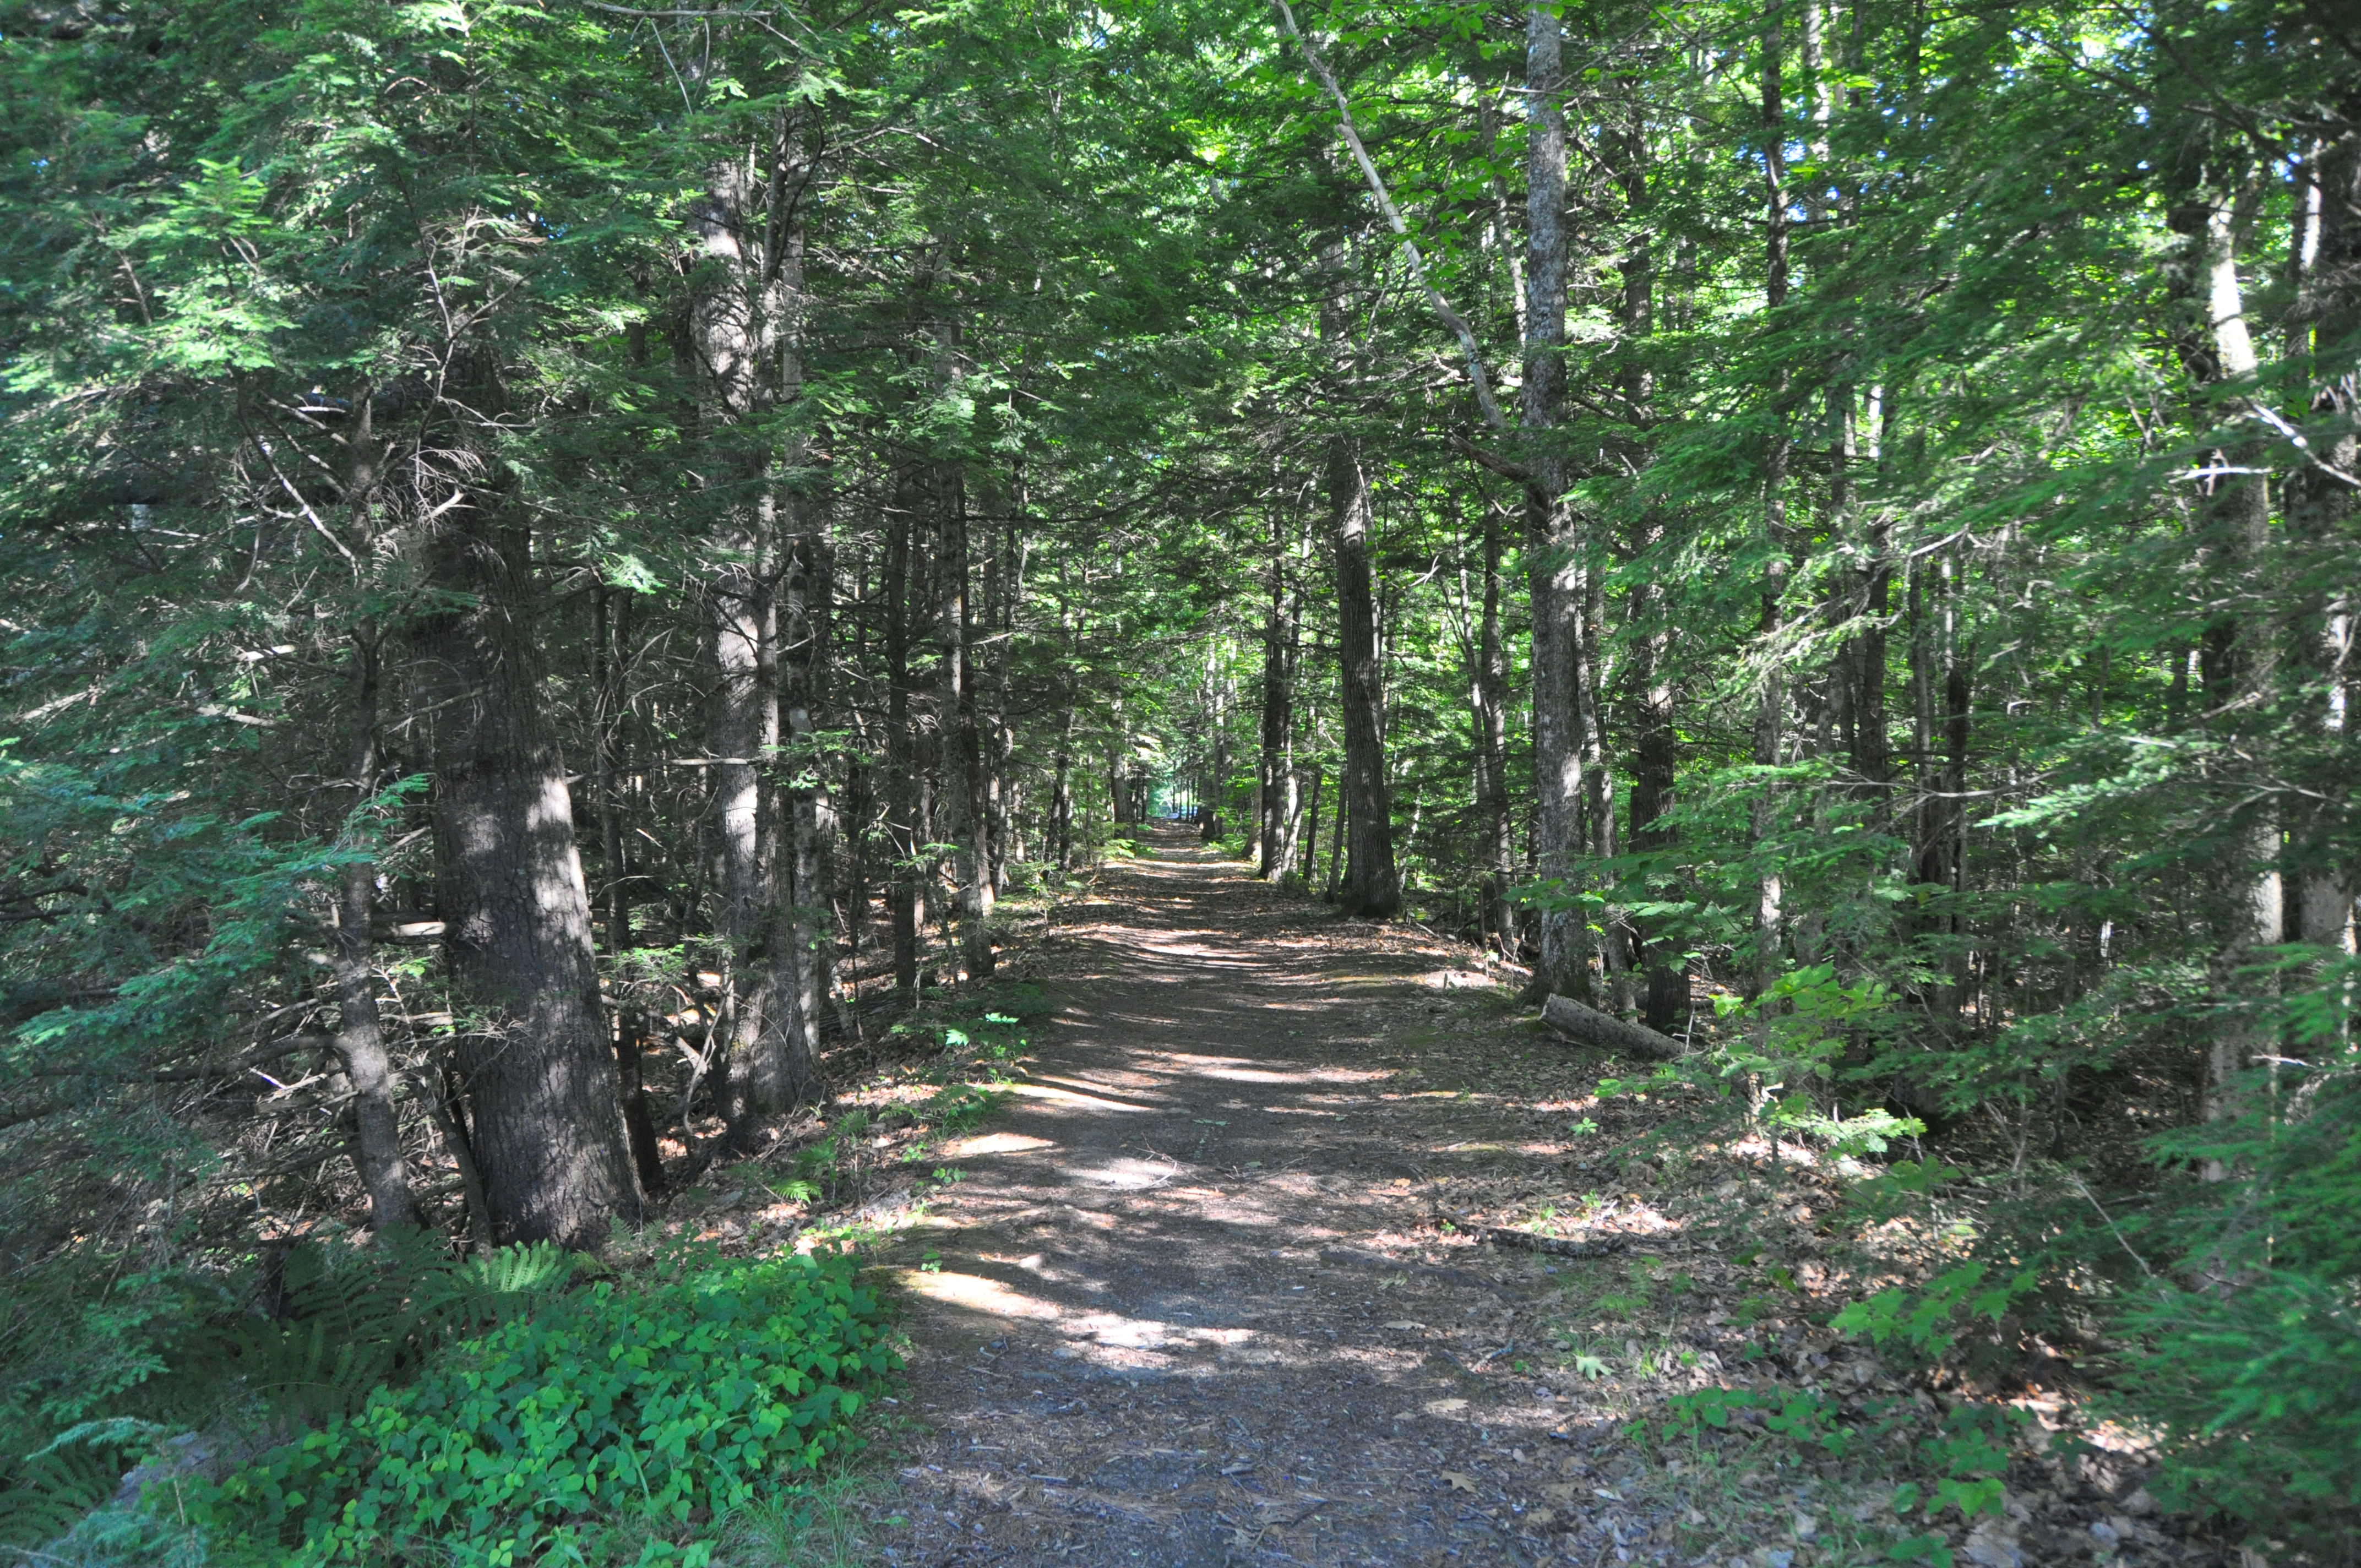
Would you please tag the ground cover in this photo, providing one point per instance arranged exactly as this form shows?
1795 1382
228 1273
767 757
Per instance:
1217 1280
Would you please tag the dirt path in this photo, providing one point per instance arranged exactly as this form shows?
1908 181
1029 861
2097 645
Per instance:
1184 1311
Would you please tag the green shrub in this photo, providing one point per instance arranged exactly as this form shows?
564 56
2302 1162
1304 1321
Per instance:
961 1107
1800 1414
88 1386
1931 1320
2259 1386
2242 1336
1019 1000
609 1409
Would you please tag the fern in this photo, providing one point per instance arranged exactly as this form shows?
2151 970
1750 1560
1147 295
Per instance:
348 1322
42 1497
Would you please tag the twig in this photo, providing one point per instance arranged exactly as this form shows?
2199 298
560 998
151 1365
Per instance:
2086 1193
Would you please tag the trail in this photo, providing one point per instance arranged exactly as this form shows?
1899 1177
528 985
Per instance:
1188 1307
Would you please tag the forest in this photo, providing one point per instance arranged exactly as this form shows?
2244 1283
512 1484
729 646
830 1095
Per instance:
564 566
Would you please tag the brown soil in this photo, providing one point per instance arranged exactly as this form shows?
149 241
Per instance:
1191 1305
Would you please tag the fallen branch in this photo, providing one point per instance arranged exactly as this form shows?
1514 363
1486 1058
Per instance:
1556 1246
1589 1027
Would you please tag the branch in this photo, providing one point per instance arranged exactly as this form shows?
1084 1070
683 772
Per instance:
1451 318
1500 465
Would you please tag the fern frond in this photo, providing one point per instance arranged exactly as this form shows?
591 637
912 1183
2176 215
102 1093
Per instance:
45 1496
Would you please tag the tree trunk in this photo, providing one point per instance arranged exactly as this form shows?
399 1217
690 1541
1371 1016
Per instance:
360 1033
1564 963
1060 849
803 919
1372 888
2320 508
1337 835
539 1070
905 832
2235 661
1655 761
1488 693
1311 833
611 644
1770 700
1004 587
964 815
1592 1027
1663 1003
803 810
743 319
741 733
1274 775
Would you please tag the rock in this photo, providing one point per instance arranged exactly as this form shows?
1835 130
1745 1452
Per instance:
1993 1544
212 1455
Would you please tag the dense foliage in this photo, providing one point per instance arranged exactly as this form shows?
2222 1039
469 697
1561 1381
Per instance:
538 539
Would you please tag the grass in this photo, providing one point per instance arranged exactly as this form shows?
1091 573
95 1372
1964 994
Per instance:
826 1526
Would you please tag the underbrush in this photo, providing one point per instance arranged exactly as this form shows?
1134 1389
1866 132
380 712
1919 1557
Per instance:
506 1410
1891 1319
2212 1311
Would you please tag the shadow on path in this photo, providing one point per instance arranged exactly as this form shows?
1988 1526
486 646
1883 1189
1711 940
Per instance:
1177 1315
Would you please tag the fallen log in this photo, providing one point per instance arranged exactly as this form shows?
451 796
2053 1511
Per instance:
1556 1246
1589 1027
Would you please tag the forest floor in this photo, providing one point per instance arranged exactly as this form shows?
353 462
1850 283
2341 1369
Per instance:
1205 1291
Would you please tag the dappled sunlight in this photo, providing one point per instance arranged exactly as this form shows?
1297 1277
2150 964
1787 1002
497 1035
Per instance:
1198 1266
1129 1175
974 1293
980 1145
1073 1099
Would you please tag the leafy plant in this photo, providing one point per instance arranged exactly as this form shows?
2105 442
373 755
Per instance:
323 1327
1801 1415
1930 1321
645 1406
960 1108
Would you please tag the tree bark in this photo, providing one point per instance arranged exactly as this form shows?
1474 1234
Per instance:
905 832
1771 699
2320 509
965 815
1311 833
1372 887
1004 589
1061 830
803 810
742 734
611 676
1275 774
1556 589
360 1032
538 1067
2235 662
744 323
803 913
1489 696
